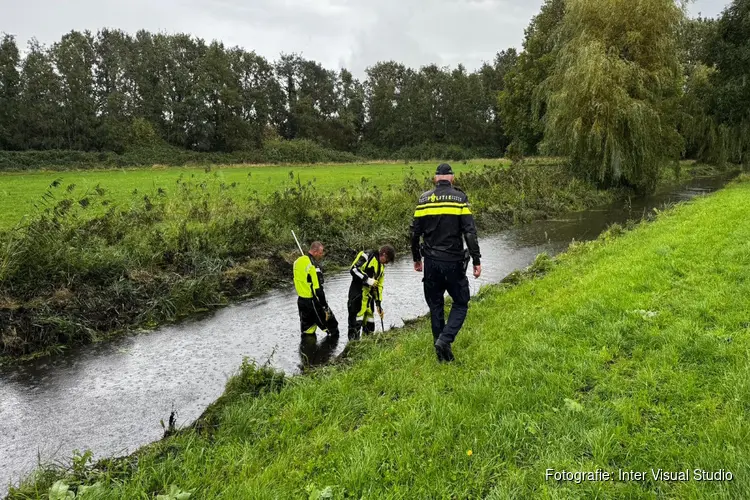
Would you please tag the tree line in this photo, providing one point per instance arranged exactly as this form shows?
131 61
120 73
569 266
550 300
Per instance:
111 90
625 87
619 86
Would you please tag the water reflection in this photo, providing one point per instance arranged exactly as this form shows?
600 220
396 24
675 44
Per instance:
313 353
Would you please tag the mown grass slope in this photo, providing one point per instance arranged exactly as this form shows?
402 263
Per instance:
631 353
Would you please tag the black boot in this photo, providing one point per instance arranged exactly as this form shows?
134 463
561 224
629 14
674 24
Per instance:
443 351
356 332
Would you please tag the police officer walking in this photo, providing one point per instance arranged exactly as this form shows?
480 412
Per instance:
443 220
313 307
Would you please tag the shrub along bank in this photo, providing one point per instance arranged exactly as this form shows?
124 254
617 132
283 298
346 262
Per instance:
629 355
67 277
273 151
297 151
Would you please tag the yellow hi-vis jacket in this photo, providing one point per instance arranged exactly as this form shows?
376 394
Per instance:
308 279
367 265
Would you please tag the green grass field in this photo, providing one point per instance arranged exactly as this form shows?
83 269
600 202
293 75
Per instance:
630 354
20 191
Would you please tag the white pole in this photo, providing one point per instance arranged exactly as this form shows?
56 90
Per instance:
298 245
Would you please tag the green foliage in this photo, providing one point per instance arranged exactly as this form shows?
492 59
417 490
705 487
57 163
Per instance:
40 124
74 58
10 88
115 92
131 98
714 118
612 99
705 138
729 52
22 190
628 354
409 108
430 151
83 267
60 491
302 151
145 149
522 193
174 493
523 79
253 380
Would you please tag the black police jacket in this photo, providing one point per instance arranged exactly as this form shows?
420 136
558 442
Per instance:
443 219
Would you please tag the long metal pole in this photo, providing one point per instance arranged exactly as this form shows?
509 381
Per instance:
382 325
298 245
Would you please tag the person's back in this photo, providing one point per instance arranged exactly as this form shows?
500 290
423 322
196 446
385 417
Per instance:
312 304
303 281
443 220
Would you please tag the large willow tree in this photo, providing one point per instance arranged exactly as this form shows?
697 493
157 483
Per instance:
612 99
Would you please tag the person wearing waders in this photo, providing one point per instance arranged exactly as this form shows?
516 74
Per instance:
366 290
443 220
313 308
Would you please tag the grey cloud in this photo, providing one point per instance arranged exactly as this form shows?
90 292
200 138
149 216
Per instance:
48 20
351 33
394 32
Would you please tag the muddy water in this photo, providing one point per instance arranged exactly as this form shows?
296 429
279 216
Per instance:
110 397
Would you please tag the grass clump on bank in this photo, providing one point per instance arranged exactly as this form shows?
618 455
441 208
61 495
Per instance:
631 353
86 265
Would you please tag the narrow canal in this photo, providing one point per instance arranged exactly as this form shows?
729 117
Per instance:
111 397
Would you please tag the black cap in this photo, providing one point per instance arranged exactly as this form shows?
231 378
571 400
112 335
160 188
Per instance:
444 169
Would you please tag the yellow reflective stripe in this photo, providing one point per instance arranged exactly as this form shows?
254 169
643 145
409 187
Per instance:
441 204
442 211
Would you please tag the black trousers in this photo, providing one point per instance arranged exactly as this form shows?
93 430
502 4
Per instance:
312 315
440 277
355 307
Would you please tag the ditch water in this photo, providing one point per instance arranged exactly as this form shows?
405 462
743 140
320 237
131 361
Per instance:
110 397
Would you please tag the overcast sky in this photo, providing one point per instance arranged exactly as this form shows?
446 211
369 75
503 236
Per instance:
337 33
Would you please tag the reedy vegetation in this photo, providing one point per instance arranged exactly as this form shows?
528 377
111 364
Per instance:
69 276
630 353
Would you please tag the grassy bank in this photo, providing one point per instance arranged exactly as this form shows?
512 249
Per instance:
631 353
89 264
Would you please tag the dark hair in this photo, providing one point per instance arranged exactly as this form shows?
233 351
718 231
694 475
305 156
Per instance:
389 252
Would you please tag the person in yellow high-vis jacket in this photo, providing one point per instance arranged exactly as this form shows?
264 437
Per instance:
366 290
313 308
